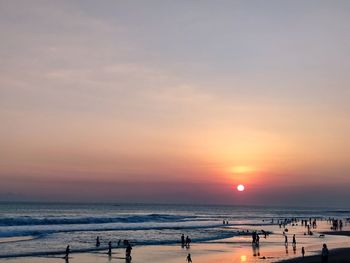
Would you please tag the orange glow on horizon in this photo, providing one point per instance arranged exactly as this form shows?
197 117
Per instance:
241 169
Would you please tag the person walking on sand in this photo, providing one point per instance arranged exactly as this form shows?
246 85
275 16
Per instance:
183 240
325 253
67 252
303 251
189 259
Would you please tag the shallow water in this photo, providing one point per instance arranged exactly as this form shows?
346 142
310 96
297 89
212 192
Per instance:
39 228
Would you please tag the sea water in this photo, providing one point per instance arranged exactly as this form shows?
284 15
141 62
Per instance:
44 228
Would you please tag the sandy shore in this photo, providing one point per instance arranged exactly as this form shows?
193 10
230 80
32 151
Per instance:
341 255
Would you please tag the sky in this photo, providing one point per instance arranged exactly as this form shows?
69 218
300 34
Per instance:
175 101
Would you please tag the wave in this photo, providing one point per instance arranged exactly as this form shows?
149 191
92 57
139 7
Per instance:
43 230
340 211
40 231
31 221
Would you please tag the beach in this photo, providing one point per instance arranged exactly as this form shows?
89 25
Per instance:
40 233
341 255
174 131
223 252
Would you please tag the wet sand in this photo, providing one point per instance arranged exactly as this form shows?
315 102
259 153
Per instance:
336 255
341 255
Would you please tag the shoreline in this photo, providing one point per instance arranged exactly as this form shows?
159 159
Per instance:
236 248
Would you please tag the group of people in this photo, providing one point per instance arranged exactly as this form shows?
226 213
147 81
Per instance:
336 224
309 223
185 242
98 243
125 242
255 238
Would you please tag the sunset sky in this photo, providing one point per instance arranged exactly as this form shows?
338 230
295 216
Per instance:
175 101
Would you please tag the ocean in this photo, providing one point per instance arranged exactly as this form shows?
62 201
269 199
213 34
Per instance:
44 228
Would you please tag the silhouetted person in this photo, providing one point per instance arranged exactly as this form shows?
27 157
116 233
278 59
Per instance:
128 252
286 240
189 259
67 252
119 242
254 237
324 253
257 240
264 233
182 239
110 248
294 240
188 241
303 251
98 241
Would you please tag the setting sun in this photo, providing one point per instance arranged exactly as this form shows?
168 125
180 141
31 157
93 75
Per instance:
240 187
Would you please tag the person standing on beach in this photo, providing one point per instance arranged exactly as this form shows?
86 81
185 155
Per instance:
303 251
110 248
188 241
294 241
98 241
286 240
128 252
189 259
324 253
254 237
183 240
